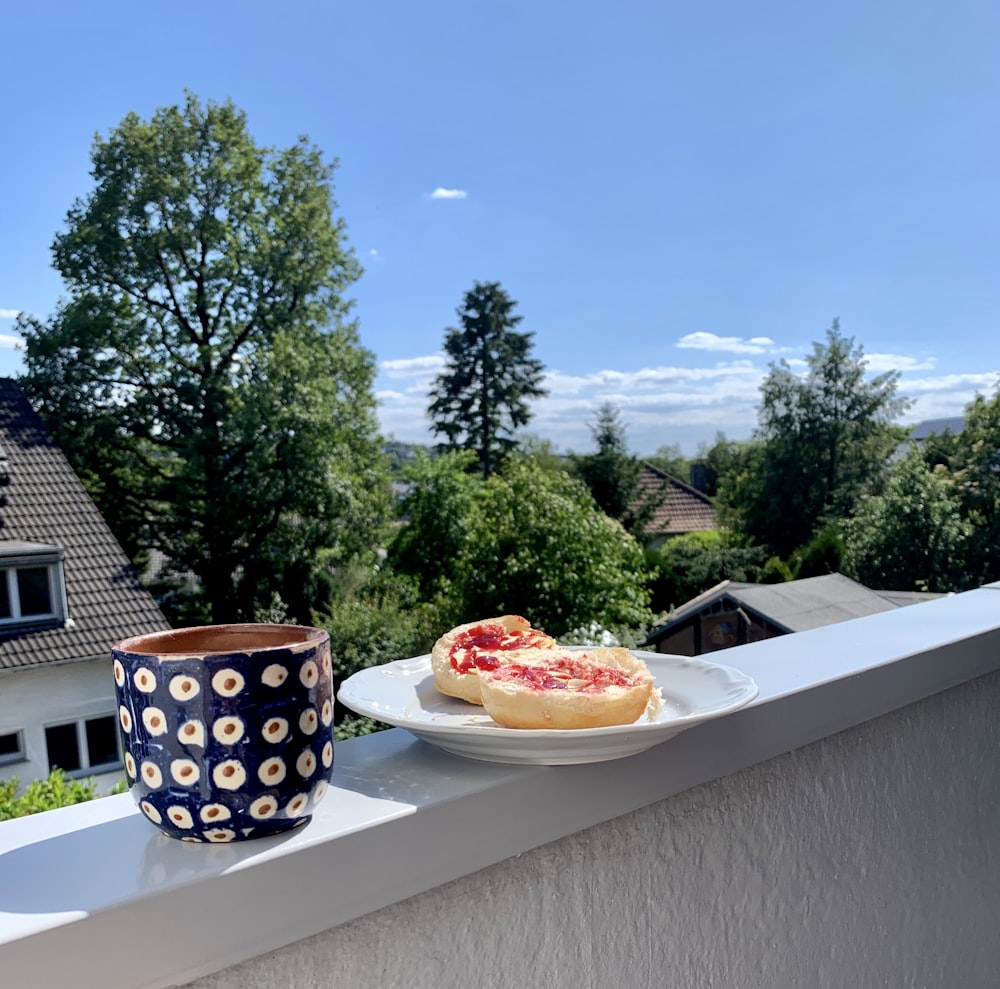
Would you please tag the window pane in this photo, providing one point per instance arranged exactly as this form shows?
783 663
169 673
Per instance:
33 589
10 745
4 596
60 740
102 741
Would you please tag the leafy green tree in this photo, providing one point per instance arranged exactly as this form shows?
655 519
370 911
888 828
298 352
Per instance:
528 541
915 535
976 468
613 476
823 553
824 438
715 463
203 376
481 398
670 460
687 565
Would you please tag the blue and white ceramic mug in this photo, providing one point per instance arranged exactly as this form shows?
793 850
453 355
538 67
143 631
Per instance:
227 730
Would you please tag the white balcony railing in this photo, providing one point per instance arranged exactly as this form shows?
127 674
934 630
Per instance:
843 830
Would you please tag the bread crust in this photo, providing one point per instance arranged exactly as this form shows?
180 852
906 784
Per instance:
505 639
569 690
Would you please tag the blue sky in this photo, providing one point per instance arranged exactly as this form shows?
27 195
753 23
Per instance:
676 194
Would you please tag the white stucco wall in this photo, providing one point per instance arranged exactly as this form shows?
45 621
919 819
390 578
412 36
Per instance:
31 699
869 858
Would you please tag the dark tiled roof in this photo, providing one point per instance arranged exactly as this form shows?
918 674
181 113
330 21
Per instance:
44 502
684 509
796 605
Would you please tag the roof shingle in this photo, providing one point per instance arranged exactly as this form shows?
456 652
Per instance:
683 509
45 502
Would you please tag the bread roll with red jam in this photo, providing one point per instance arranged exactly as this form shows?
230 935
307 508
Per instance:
592 689
459 655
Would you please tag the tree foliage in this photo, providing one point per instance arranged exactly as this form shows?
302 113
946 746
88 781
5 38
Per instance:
613 476
822 442
202 375
481 398
914 535
528 541
55 790
687 565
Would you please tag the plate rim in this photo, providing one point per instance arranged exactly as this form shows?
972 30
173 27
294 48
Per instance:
748 693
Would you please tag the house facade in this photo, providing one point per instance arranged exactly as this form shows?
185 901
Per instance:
67 594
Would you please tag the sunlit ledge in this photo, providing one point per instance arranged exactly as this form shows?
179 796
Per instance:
738 853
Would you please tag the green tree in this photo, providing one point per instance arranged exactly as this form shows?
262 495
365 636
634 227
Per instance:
203 376
670 460
481 398
977 471
715 463
915 535
689 564
824 440
613 476
528 541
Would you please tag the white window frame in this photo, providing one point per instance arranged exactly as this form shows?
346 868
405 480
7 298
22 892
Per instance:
21 556
87 768
9 758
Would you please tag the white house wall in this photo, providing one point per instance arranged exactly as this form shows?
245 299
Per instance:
31 699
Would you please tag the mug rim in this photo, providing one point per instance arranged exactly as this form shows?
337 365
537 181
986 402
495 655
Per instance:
208 640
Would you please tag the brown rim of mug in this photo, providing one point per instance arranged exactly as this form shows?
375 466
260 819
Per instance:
207 640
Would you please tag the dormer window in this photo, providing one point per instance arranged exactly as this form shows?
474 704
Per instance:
32 587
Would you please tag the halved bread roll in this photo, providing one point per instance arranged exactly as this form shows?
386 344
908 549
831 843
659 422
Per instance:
460 654
563 689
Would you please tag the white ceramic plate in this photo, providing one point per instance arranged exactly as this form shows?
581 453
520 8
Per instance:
403 694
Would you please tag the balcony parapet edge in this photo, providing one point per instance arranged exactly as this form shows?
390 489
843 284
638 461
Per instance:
93 895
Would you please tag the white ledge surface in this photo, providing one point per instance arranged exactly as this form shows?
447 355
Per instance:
93 895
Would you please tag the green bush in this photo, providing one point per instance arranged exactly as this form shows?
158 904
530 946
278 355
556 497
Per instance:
57 790
687 565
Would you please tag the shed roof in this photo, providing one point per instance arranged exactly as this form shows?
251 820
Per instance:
797 605
44 502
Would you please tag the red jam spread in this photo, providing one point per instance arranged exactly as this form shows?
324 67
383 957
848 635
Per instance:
568 674
472 647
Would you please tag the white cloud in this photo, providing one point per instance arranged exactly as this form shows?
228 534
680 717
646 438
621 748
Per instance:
731 345
984 383
373 253
896 362
661 405
10 342
442 193
413 367
9 313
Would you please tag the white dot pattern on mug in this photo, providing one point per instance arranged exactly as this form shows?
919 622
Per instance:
144 680
275 730
264 807
220 834
261 739
229 775
213 813
275 675
184 688
228 683
192 732
228 730
155 721
185 772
